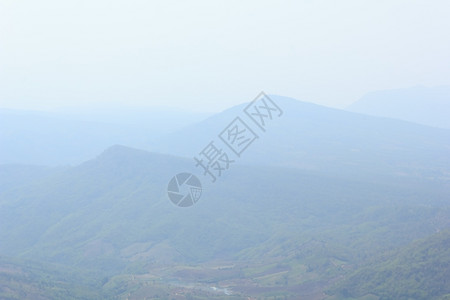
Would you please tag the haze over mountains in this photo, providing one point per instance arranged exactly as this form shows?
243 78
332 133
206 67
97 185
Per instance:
306 136
112 214
322 196
71 137
147 172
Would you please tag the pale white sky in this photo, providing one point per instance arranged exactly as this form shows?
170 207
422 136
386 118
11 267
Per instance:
207 55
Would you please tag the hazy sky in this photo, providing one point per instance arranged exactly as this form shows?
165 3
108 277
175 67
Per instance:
208 55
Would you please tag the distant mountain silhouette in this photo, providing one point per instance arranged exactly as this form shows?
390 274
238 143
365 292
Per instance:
61 138
310 136
424 105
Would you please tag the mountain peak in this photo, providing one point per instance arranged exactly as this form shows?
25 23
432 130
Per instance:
120 151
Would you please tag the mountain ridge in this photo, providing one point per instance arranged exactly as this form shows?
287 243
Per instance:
422 105
314 137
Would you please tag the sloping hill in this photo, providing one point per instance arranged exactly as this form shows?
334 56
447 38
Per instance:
112 214
30 280
418 271
91 213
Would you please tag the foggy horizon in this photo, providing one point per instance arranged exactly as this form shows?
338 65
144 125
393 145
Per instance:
208 57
